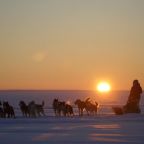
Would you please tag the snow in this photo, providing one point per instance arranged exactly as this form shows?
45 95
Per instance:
99 129
105 128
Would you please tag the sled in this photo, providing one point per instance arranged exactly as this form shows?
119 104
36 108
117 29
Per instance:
118 110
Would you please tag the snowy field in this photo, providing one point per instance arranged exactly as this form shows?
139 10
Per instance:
105 128
101 129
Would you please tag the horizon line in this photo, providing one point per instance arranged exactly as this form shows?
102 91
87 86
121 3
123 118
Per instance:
54 90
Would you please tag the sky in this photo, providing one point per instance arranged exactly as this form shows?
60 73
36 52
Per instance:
71 44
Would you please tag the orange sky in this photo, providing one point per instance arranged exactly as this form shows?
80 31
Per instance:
71 44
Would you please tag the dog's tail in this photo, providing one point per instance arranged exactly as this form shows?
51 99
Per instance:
43 103
87 100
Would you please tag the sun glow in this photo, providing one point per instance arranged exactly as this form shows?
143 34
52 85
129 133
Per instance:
103 87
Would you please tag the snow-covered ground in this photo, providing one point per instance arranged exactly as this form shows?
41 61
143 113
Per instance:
98 129
103 128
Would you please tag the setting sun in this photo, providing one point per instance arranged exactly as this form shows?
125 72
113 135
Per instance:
103 87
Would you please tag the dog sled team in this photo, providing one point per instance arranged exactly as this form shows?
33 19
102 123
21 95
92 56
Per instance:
61 108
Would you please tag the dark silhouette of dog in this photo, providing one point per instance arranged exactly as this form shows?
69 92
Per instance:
36 109
91 108
24 109
40 109
1 111
61 108
69 110
81 106
32 109
8 110
87 105
55 106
